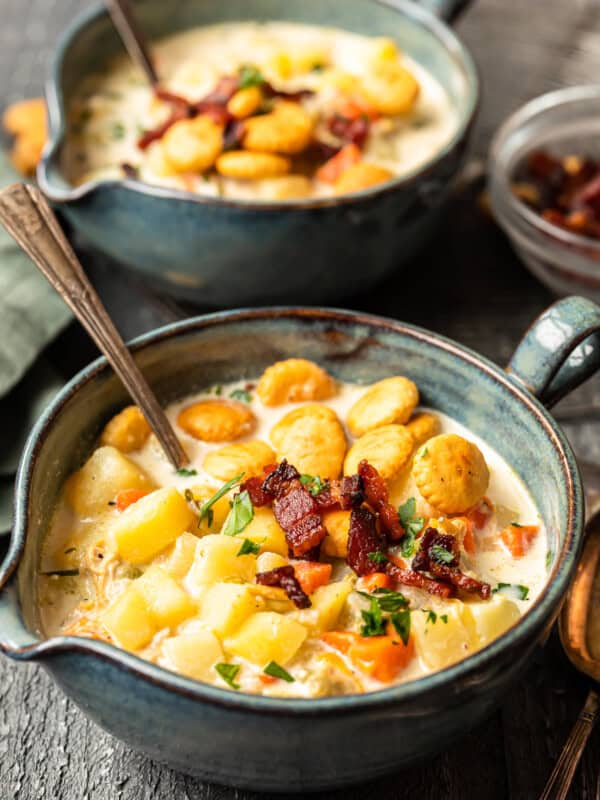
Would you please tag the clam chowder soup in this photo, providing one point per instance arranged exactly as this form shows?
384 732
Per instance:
324 538
272 111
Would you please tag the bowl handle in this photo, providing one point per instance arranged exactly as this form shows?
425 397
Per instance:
560 350
448 10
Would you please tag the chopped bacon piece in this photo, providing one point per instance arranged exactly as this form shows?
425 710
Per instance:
363 539
269 91
218 113
223 92
411 578
331 170
430 558
308 531
171 97
285 578
311 555
345 494
377 496
254 488
354 131
232 138
278 480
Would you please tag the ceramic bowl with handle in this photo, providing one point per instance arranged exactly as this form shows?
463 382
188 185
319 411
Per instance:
305 251
280 744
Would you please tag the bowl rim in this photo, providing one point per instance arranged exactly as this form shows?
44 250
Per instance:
57 127
539 615
501 178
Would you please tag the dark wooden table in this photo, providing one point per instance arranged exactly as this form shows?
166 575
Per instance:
467 285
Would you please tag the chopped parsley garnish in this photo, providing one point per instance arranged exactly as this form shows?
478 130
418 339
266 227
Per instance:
431 616
229 673
377 557
61 573
401 622
549 559
441 555
374 624
514 590
250 76
275 670
133 573
313 483
206 509
248 548
117 131
425 453
319 66
444 618
389 600
240 516
515 525
185 472
412 524
241 394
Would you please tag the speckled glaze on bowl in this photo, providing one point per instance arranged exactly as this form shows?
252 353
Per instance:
286 744
232 252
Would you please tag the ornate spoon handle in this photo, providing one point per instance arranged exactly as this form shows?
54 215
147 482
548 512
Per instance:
134 40
560 780
26 215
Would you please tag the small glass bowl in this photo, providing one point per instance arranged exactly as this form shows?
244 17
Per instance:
565 122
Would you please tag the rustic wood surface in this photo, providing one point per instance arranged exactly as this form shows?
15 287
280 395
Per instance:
469 286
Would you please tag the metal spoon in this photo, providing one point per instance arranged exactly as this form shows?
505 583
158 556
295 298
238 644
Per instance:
28 218
133 37
579 627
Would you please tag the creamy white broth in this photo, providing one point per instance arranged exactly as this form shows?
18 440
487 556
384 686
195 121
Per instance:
111 109
313 675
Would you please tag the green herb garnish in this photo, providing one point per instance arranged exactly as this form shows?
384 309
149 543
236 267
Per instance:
241 394
250 75
515 525
117 131
61 573
240 516
389 600
401 622
425 453
377 557
276 671
444 618
412 525
374 624
218 390
313 483
229 673
248 548
441 555
431 616
205 510
549 559
185 472
515 590
319 66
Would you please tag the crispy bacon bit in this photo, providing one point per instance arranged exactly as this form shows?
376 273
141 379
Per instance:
285 578
377 496
254 488
223 92
298 514
345 494
350 130
411 578
313 554
171 97
148 137
218 113
278 480
270 91
129 170
363 540
232 139
430 558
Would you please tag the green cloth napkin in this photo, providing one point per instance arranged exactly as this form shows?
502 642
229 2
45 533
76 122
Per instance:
31 315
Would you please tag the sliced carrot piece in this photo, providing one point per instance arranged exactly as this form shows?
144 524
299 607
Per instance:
518 538
357 107
339 163
376 580
340 640
127 497
267 679
397 561
480 513
312 574
381 657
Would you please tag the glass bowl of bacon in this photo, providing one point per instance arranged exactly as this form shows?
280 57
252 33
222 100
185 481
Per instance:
544 177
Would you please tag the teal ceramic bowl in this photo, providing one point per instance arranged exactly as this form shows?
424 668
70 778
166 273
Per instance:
308 251
288 744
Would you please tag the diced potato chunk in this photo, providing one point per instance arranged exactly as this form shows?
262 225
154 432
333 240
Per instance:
267 636
178 562
217 560
442 643
226 605
268 561
193 654
329 601
167 601
490 618
151 525
106 472
129 620
337 524
265 531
